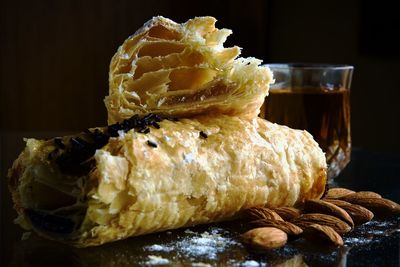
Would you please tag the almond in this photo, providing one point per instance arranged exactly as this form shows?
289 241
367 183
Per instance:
288 213
358 213
320 206
381 207
322 234
287 227
361 194
338 225
257 213
338 192
265 238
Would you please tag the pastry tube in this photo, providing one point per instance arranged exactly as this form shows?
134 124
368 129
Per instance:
87 189
183 70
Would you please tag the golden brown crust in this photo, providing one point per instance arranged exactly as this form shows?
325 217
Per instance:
215 162
188 179
183 70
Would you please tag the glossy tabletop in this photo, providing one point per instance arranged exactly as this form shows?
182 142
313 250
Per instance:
375 244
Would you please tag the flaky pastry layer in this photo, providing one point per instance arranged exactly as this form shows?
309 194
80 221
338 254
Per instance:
184 70
185 173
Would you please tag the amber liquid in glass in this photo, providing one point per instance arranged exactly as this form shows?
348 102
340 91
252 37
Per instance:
322 112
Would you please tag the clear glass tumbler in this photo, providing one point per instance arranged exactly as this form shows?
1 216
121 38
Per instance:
316 98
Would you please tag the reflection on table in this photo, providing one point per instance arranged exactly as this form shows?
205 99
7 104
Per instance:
216 245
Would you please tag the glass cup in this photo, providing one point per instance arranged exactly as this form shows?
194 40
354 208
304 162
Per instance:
315 98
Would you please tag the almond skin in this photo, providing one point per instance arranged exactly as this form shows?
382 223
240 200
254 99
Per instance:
358 213
289 228
257 213
320 206
338 192
381 207
288 213
306 220
265 238
361 194
322 234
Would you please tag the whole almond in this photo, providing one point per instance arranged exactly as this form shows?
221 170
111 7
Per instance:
288 213
361 194
381 207
287 227
320 206
358 213
338 192
257 213
338 225
265 238
322 234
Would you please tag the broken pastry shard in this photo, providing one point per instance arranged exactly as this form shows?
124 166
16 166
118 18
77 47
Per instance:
108 183
183 70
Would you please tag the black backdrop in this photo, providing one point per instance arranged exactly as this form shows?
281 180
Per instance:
54 55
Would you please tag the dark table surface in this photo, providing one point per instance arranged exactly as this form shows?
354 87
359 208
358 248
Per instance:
375 244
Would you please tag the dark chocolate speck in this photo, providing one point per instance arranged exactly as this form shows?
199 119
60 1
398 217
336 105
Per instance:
203 134
156 125
152 144
144 130
77 155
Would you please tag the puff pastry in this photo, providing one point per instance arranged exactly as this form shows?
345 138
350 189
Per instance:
184 70
161 174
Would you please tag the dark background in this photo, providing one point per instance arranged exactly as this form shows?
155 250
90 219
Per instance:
54 58
54 55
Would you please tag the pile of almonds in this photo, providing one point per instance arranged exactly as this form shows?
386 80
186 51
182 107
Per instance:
320 221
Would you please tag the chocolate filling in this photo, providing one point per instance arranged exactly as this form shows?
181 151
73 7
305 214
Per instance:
75 157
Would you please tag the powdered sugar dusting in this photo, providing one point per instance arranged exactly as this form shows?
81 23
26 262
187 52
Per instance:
156 260
160 248
370 232
212 246
188 158
351 241
251 263
207 244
